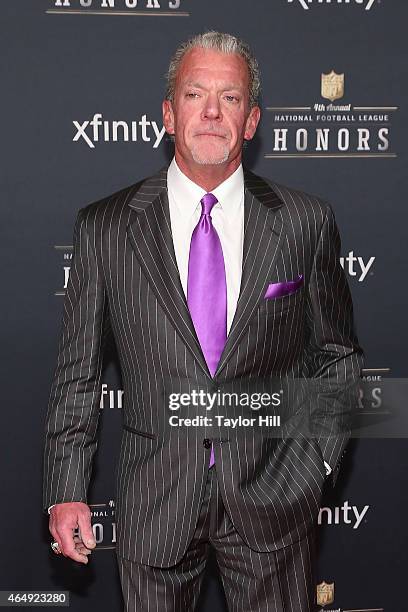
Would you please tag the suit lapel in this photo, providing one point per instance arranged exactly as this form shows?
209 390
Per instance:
151 238
263 239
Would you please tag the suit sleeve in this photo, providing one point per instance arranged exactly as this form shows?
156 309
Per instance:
334 356
73 410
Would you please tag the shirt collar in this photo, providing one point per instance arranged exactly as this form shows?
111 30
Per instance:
229 193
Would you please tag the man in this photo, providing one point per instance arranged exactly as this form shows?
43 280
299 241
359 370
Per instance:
206 275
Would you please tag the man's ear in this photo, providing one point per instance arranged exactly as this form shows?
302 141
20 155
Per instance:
168 116
252 122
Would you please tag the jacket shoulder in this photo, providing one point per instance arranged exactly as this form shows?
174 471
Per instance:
292 200
110 206
295 198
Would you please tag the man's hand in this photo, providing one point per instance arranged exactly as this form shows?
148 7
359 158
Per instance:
64 519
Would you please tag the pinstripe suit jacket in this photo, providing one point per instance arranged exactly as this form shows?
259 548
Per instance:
124 280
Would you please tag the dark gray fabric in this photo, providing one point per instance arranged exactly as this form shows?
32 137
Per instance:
124 280
279 581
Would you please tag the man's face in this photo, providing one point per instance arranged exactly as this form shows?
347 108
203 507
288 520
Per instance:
210 115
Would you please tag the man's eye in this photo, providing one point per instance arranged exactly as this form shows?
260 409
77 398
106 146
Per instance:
192 94
231 98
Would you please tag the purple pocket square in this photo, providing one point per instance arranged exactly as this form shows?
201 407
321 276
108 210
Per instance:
276 290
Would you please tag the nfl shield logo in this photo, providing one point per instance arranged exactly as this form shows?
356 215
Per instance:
325 593
332 86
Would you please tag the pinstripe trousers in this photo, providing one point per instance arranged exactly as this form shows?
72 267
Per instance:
278 581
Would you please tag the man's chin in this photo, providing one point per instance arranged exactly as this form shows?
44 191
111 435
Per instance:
206 158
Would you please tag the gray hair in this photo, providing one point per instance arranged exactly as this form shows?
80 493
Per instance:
216 41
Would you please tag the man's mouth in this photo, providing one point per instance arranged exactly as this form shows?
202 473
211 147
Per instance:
211 134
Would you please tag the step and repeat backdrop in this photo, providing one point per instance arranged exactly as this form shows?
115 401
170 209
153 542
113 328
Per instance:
81 88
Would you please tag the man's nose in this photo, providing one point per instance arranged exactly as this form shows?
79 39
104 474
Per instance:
212 108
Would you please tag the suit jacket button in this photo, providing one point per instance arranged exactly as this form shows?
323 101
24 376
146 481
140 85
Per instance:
207 443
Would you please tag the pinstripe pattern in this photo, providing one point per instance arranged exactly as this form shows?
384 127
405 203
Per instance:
279 581
124 280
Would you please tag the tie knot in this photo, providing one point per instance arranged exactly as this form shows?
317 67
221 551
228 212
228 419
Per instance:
207 203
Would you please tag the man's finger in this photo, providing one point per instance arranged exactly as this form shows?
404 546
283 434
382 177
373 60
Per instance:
67 545
80 547
85 530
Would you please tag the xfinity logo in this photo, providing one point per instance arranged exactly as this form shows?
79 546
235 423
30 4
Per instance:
111 398
97 130
305 4
356 266
345 514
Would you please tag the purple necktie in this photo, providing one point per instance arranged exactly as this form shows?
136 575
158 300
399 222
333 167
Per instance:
207 288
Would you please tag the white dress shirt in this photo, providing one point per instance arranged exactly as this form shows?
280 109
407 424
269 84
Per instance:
228 219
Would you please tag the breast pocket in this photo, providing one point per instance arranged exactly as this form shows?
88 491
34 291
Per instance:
280 305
